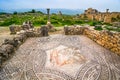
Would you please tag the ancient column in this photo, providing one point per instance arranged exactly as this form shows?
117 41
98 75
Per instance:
49 25
60 14
48 13
107 10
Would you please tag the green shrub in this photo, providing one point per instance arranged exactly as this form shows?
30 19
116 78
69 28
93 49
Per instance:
110 28
8 22
108 24
15 13
98 27
38 22
79 22
93 23
1 13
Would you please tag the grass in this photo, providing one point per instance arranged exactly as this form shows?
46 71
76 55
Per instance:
110 28
38 19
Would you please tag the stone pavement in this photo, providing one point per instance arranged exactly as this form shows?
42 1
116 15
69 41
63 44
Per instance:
60 57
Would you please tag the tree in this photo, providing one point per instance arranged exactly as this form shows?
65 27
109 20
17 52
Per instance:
15 12
33 11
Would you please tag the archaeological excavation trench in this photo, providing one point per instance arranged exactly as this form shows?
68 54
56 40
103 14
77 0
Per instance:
61 57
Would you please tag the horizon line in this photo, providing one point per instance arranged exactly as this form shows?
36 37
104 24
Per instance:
60 8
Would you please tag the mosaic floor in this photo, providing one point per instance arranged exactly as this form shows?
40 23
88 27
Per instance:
60 57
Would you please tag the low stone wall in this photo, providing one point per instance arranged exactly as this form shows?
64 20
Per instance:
107 39
9 46
74 30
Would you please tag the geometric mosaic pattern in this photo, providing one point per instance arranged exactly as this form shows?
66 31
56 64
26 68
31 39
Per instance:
61 57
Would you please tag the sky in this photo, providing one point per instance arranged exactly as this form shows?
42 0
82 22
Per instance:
102 5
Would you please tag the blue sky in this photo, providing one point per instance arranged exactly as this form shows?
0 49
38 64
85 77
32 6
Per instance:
113 5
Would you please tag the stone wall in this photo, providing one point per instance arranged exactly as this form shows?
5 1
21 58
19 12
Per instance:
93 14
74 30
107 39
10 45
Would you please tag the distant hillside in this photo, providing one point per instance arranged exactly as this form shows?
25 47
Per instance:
2 10
64 11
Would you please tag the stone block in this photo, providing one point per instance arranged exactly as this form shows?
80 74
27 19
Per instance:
44 31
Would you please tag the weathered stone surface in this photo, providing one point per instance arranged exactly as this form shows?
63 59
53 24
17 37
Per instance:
13 42
9 49
44 31
66 30
12 30
107 17
21 37
106 39
5 51
74 30
4 55
79 59
0 61
27 25
30 34
50 27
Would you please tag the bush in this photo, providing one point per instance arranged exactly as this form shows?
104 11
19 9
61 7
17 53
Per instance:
110 28
98 27
8 22
38 22
53 21
92 23
108 24
79 22
33 11
15 13
67 22
1 13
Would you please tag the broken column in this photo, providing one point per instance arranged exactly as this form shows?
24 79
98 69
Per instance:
107 10
48 13
49 25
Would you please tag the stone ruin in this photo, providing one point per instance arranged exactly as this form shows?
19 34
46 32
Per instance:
44 31
29 28
10 45
50 27
25 26
106 17
107 39
14 28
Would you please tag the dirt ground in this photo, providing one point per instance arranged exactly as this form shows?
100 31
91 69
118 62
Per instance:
5 34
